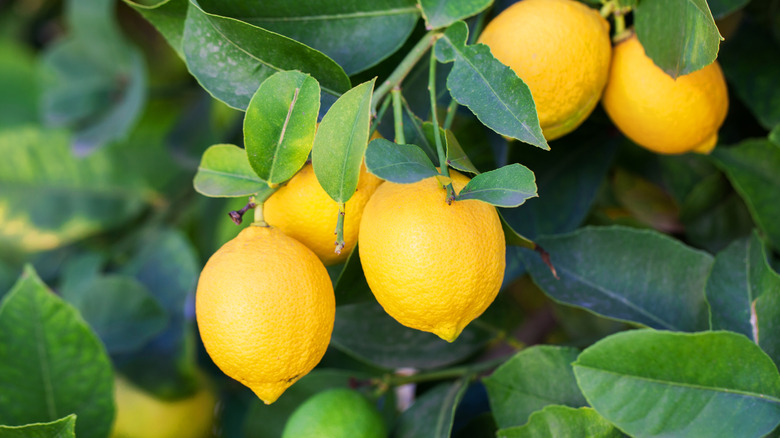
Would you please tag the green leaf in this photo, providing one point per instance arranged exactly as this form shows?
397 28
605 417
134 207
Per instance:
19 85
651 383
224 171
399 163
639 276
767 314
357 35
280 123
752 167
722 8
62 428
679 36
231 58
351 285
442 13
431 415
341 142
52 198
491 90
513 237
774 136
532 379
51 363
167 16
507 186
456 156
557 421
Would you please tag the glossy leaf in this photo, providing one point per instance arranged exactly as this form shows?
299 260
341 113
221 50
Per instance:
51 363
752 167
507 186
231 58
557 421
442 13
640 276
679 36
491 90
279 125
167 16
399 163
341 142
62 428
355 34
432 414
651 383
224 171
536 377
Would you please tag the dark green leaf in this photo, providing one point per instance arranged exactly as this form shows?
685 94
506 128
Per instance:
18 85
351 285
51 363
640 276
645 201
280 123
774 136
341 142
679 36
420 133
357 35
558 421
752 169
442 13
231 58
767 313
532 379
722 8
431 415
513 237
456 156
224 171
167 16
491 90
507 186
62 428
399 163
651 383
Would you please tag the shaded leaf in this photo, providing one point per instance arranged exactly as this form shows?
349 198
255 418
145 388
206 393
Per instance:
774 136
167 16
398 163
557 421
456 156
721 8
507 186
224 171
432 414
646 202
442 13
351 285
62 428
18 85
767 314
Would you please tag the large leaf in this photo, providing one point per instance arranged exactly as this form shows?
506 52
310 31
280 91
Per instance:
651 383
507 186
442 13
534 378
558 421
679 36
355 34
490 89
51 363
62 428
399 163
431 415
752 169
167 16
51 198
640 276
225 171
231 58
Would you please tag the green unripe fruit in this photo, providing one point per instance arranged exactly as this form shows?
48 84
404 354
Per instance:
335 413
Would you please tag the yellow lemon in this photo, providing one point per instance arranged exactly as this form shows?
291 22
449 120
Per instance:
665 115
305 212
432 266
561 49
265 309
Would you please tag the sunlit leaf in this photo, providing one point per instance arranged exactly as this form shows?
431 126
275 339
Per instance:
224 171
62 428
399 163
442 13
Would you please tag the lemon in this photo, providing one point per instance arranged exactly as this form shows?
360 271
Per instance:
265 310
305 212
432 266
665 115
335 413
142 415
561 49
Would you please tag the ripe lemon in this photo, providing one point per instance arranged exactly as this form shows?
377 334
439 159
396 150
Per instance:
561 49
335 413
662 114
432 266
305 212
142 415
265 309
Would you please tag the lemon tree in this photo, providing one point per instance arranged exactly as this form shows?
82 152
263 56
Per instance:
395 218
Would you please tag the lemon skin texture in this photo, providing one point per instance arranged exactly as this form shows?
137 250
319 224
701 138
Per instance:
305 212
335 413
432 266
662 114
265 310
561 49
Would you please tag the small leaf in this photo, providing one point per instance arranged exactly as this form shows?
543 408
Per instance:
224 171
508 186
532 379
62 428
431 415
490 89
679 36
456 156
557 421
398 163
279 125
341 142
651 383
442 13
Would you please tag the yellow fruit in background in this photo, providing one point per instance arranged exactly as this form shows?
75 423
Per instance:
432 266
142 415
265 310
305 212
561 49
662 114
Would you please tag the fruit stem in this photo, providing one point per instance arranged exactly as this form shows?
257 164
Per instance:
443 168
259 219
340 229
620 25
398 116
259 199
608 8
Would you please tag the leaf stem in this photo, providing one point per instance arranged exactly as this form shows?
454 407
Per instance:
444 170
447 373
398 117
